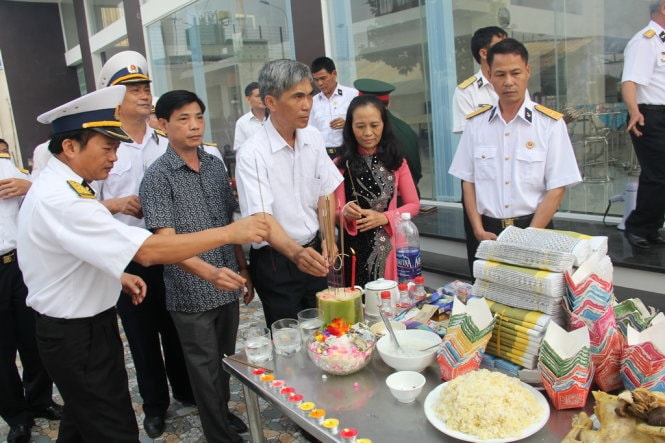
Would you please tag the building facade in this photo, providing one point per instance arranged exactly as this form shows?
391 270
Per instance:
216 47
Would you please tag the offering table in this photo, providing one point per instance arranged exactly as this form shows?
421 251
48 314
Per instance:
361 401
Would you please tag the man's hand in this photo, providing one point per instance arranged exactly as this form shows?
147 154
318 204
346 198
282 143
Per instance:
248 296
635 119
485 235
224 279
311 262
337 123
130 205
134 286
249 229
14 187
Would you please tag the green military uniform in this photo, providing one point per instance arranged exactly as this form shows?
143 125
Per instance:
406 136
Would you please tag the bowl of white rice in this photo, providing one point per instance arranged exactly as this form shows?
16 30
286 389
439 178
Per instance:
487 406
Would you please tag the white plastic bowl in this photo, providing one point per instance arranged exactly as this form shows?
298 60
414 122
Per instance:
412 341
405 385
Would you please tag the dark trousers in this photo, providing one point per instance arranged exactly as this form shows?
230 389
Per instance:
648 216
17 333
144 326
86 360
284 289
206 337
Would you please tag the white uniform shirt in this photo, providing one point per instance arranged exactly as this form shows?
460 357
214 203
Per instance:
127 173
325 109
40 156
71 250
473 93
513 164
9 208
644 64
290 181
246 126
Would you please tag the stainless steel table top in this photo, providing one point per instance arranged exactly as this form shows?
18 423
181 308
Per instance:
363 401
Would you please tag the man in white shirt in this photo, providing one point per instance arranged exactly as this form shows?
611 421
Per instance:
283 173
515 159
330 105
249 123
148 324
643 90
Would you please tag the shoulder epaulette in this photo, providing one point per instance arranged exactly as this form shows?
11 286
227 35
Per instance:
25 171
551 113
214 145
649 33
5 155
479 111
468 82
160 132
81 190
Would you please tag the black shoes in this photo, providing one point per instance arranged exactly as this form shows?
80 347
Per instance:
644 242
19 434
236 423
53 412
154 426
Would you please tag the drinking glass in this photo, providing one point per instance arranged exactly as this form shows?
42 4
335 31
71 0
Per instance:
286 336
309 321
258 345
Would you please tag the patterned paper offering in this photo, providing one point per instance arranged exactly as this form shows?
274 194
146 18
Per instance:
565 366
469 330
643 362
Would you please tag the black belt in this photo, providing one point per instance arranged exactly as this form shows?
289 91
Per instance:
313 242
9 257
657 108
522 221
66 321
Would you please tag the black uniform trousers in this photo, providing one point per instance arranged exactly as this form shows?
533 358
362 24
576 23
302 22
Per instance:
18 398
206 336
144 325
648 216
284 289
85 357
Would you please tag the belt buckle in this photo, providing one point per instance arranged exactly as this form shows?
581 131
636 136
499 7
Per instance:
505 222
8 258
331 150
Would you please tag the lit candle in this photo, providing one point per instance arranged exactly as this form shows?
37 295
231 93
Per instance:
318 415
267 378
295 399
277 385
307 407
331 424
348 435
258 372
287 391
353 267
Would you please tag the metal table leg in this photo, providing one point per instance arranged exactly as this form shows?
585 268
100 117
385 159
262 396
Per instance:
253 415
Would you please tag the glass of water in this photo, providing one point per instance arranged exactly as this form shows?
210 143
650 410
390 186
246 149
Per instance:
309 321
258 345
286 336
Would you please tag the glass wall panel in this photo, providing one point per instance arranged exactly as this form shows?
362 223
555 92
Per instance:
69 24
102 13
576 55
215 48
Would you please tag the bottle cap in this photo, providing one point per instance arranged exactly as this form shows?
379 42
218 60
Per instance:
403 287
419 279
385 294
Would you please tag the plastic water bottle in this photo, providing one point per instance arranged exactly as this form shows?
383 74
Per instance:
420 292
408 250
404 299
387 304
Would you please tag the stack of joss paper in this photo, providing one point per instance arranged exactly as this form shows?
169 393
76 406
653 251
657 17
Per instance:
545 249
518 334
590 303
565 366
632 312
463 346
643 359
520 287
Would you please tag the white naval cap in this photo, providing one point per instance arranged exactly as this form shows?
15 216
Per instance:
95 111
123 68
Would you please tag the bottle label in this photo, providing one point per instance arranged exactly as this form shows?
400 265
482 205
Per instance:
408 264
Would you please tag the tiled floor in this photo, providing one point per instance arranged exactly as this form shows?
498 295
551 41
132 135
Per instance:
182 423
